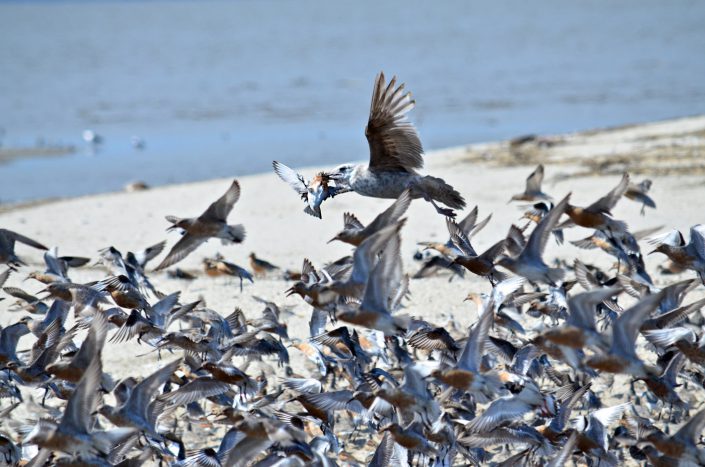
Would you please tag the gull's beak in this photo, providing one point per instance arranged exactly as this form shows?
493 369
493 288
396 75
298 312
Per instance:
335 175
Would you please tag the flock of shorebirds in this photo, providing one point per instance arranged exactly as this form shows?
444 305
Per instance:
380 387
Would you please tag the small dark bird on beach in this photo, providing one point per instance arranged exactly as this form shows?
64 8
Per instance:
395 155
212 223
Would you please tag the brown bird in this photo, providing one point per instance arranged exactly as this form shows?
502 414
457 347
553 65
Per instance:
598 214
217 267
260 266
212 223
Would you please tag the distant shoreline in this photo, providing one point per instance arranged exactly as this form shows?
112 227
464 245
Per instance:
666 147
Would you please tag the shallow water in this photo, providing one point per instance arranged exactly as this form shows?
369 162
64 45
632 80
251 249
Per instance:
222 88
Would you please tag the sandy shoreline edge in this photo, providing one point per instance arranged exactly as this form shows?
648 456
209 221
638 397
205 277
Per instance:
482 152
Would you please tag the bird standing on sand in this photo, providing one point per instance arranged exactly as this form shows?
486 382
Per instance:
260 266
212 223
395 154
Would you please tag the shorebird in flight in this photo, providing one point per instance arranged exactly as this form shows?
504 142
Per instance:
212 223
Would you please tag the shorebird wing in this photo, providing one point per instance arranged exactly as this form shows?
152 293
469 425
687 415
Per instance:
385 277
84 400
582 307
692 429
199 388
565 453
432 339
20 294
394 143
317 323
149 253
539 237
459 238
22 239
498 411
219 209
142 393
471 357
5 275
94 342
365 255
54 264
288 174
181 250
334 400
388 453
479 226
392 214
560 421
350 222
533 181
159 312
468 221
626 328
607 202
697 238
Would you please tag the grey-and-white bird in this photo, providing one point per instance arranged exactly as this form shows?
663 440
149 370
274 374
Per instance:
395 155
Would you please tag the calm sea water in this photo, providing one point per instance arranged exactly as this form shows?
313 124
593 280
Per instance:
222 88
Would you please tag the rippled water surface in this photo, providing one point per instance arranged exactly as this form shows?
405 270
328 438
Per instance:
222 88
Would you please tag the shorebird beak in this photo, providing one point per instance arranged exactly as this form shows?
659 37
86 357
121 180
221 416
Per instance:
332 240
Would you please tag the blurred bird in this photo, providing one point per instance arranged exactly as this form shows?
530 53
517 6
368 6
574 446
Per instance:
212 223
533 191
7 246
